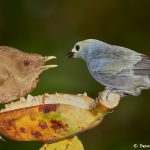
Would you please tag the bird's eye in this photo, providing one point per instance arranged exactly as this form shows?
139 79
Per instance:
27 62
77 47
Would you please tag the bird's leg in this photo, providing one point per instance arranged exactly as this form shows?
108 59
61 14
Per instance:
136 92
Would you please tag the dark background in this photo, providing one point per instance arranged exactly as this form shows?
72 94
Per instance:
52 27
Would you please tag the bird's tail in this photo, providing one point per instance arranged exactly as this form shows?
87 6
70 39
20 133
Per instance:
149 79
148 82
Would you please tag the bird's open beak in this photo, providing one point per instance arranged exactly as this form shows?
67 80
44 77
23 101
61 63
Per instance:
47 58
70 54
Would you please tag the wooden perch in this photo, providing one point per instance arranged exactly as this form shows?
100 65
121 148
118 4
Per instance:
109 102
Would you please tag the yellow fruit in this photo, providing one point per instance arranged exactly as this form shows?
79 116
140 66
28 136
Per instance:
68 144
49 118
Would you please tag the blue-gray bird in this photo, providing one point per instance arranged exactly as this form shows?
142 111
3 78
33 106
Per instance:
119 69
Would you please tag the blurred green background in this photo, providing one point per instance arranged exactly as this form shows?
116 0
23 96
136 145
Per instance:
52 27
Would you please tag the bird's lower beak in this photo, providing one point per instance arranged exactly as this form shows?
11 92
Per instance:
70 54
47 58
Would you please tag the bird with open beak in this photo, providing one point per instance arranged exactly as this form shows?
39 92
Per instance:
19 72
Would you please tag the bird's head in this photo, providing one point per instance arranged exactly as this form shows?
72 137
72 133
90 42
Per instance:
28 64
87 48
22 66
20 72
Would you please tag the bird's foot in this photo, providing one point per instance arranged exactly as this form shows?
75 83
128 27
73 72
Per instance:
136 92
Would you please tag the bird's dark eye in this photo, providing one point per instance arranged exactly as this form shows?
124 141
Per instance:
77 47
27 62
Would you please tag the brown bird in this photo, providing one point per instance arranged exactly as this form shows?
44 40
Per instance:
19 72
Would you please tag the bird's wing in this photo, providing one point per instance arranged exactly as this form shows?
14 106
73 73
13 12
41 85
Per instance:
142 67
4 76
140 62
117 61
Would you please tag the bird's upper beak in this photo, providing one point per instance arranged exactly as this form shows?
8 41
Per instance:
70 54
47 58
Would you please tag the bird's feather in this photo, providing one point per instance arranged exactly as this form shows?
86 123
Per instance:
142 67
118 61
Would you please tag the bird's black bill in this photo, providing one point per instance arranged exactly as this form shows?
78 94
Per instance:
70 54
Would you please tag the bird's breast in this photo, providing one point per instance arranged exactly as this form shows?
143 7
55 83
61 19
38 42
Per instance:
99 77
